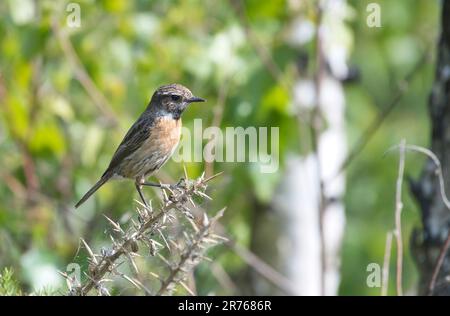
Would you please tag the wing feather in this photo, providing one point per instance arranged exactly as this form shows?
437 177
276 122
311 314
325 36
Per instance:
135 137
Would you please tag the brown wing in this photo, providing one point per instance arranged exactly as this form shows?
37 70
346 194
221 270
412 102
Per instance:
135 137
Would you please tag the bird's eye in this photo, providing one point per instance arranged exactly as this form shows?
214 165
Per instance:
175 97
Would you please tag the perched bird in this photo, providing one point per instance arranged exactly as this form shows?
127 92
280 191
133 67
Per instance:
151 141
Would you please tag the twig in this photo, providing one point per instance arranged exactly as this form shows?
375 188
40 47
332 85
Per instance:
438 266
386 261
436 161
398 222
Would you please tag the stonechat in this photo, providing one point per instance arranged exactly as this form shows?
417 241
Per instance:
150 141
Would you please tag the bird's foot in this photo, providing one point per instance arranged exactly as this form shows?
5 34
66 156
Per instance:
161 185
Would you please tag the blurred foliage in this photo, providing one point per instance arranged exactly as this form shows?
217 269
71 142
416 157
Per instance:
8 284
55 141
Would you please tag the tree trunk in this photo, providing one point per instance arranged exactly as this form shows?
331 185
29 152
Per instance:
427 242
309 198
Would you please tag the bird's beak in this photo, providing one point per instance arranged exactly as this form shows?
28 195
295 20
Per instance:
195 99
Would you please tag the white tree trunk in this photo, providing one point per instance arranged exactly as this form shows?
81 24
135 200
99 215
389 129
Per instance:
315 270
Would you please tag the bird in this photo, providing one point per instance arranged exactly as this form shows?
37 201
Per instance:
150 141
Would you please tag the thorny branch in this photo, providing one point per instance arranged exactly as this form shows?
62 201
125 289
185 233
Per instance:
190 255
152 222
254 261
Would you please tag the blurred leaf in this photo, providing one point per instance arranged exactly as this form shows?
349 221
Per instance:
275 99
22 11
47 137
263 183
39 268
8 284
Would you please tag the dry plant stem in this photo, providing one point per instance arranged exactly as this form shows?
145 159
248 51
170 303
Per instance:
398 221
386 261
439 173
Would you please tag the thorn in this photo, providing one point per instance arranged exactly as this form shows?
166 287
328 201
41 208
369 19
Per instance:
187 288
209 240
158 243
213 176
126 277
204 195
218 215
155 276
220 237
165 261
186 236
206 258
191 201
165 198
140 203
205 220
91 254
194 226
174 244
133 264
63 274
114 224
164 239
185 172
113 240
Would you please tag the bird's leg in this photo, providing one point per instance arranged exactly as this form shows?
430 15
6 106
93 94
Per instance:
138 188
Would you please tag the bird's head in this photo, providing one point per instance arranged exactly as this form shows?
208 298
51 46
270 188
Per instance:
173 99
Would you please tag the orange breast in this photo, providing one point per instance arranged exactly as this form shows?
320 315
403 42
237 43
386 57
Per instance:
164 135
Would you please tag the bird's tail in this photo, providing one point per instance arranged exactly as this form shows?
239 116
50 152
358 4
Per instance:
96 186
